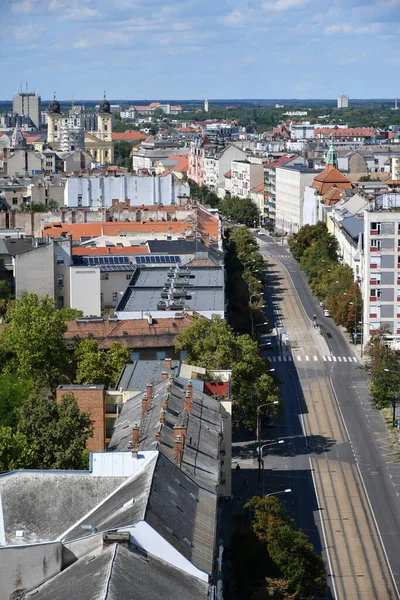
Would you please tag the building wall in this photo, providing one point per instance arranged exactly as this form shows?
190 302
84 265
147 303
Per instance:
245 176
381 274
395 169
97 192
34 272
290 186
113 286
29 105
21 161
310 206
85 290
25 567
216 167
91 400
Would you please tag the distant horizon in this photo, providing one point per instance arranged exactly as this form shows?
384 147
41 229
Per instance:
201 100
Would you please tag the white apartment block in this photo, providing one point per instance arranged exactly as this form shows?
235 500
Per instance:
395 168
96 192
216 165
343 101
244 177
290 186
381 274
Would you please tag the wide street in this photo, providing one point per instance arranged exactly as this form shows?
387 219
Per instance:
337 458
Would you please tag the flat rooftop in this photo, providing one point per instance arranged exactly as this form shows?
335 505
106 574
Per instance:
201 290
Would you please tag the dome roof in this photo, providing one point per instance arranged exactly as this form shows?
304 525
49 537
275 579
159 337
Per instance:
54 107
105 106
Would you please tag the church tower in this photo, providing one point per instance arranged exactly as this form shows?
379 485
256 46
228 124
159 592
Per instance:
105 154
331 161
54 123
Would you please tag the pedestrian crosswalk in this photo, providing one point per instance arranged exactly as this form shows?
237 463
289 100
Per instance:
305 358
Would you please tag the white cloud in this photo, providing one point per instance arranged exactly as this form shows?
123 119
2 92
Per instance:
83 44
78 13
282 5
23 7
27 33
344 29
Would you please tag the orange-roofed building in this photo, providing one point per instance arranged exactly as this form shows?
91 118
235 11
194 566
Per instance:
129 136
331 177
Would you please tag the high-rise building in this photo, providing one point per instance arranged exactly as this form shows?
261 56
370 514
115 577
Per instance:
343 102
28 104
205 105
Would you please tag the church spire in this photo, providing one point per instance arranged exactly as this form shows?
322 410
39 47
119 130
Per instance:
331 157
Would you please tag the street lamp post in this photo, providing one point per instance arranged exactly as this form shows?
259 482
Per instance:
287 491
262 459
259 433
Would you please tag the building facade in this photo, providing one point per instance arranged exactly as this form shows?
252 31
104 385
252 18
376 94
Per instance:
28 104
343 101
291 182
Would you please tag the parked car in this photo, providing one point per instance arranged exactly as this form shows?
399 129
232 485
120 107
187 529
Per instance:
326 312
267 344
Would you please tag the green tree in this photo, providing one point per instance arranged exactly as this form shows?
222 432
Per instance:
13 393
302 240
275 589
58 431
32 338
212 344
96 367
5 297
70 314
385 387
288 548
240 210
16 452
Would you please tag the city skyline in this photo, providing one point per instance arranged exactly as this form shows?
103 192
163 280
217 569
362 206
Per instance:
268 49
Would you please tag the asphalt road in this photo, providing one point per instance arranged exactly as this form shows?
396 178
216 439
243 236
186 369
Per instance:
337 457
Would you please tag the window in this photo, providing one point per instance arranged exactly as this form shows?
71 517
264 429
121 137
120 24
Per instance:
376 244
128 277
375 228
106 153
79 199
60 260
60 280
115 297
101 299
103 276
161 355
15 200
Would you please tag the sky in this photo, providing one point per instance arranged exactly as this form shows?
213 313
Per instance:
160 49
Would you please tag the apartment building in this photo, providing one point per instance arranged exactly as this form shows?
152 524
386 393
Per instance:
28 104
291 182
381 269
217 162
245 176
270 181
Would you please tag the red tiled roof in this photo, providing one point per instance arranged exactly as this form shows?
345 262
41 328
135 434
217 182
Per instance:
182 165
345 132
281 161
258 188
134 333
228 174
128 135
79 230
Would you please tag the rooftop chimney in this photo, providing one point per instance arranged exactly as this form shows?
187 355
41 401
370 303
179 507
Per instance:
145 404
158 434
164 375
162 417
149 391
165 403
188 401
168 363
190 388
135 435
180 431
178 449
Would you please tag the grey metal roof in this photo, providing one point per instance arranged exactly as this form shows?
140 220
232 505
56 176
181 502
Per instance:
125 507
136 376
352 225
43 504
204 426
117 573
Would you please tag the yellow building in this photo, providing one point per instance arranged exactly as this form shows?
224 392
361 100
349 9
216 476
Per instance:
98 143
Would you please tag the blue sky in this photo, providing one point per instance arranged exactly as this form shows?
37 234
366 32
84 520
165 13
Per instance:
196 49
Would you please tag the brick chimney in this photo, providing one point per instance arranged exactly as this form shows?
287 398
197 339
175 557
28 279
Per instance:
178 449
188 401
158 435
164 375
145 404
149 391
165 403
168 363
162 417
135 435
190 388
180 431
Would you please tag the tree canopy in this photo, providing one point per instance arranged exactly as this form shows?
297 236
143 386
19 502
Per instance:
32 340
289 548
57 431
94 366
212 344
